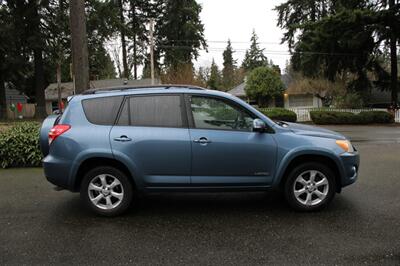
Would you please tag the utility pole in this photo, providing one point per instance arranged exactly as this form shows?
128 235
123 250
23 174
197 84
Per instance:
59 86
393 61
152 51
80 59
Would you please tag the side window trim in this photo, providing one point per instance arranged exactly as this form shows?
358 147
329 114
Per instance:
182 108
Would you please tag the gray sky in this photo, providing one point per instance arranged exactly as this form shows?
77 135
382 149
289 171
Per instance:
234 19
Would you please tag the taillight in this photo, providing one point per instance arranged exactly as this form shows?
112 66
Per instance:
56 131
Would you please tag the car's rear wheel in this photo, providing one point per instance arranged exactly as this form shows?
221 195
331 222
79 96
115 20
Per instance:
310 187
107 191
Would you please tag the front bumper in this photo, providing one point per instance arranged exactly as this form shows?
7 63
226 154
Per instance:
350 165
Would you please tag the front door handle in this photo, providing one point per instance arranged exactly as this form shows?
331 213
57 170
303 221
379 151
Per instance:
123 138
202 141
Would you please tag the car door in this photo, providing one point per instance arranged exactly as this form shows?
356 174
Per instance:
225 150
152 132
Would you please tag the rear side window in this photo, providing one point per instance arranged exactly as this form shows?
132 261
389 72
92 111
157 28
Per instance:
153 111
102 111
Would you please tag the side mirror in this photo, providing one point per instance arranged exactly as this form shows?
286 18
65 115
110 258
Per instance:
259 125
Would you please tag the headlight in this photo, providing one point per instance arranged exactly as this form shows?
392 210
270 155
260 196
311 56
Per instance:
345 145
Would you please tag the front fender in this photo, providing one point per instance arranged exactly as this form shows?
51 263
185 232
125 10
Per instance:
301 151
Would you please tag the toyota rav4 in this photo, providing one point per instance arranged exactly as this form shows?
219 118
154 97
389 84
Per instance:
113 143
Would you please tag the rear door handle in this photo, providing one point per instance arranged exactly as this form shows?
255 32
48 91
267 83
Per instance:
123 138
202 140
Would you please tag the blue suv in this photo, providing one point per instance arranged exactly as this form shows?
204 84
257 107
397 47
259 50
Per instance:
113 143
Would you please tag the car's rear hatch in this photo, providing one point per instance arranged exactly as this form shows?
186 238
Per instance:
47 124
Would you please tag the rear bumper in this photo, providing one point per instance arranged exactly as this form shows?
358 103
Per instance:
57 171
351 165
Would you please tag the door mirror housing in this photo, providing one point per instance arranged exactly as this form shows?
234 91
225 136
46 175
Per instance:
259 125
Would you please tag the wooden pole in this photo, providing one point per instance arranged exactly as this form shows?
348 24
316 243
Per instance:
152 51
80 59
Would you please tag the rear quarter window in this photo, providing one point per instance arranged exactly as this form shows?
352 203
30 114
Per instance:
102 111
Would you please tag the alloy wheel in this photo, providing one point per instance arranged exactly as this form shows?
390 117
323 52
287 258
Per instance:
105 191
311 187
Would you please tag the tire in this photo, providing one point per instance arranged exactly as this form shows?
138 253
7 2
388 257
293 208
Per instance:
303 193
107 191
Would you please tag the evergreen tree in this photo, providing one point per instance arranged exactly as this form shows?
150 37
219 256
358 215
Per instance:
254 56
344 37
228 72
180 32
214 80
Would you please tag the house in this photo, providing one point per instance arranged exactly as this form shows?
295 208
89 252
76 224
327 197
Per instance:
292 97
240 92
13 96
67 89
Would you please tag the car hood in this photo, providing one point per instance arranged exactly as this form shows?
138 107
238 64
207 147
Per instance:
307 130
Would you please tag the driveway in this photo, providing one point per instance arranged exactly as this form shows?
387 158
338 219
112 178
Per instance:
362 225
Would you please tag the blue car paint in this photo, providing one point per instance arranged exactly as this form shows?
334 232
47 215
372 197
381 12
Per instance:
159 158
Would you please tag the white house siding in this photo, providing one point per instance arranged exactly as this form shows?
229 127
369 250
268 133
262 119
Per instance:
301 100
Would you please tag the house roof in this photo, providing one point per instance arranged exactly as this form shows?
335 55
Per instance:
240 90
67 88
14 96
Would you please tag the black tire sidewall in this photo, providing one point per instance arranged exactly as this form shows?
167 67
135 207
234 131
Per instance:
122 177
288 189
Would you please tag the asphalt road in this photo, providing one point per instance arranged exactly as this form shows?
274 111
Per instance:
361 226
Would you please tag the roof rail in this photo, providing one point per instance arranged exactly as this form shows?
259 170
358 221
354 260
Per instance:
130 87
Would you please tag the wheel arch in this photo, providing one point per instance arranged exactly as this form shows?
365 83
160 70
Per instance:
92 162
296 160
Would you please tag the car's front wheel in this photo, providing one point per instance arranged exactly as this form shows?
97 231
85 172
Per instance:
106 190
310 187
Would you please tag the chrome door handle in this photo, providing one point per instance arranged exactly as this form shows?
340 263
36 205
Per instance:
202 140
123 138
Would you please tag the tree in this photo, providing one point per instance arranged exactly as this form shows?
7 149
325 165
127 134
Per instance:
333 38
228 72
79 45
131 26
214 80
254 56
180 32
263 84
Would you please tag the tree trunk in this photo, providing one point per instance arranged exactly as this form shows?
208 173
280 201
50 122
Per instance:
393 62
3 100
123 42
80 58
134 58
40 111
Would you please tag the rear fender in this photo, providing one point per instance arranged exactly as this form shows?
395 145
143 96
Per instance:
103 153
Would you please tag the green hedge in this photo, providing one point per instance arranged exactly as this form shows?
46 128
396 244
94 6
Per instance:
334 117
19 145
279 114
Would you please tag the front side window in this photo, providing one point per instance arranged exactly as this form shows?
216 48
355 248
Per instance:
154 111
212 113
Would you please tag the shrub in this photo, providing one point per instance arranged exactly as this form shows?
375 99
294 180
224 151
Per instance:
280 114
380 117
335 117
19 145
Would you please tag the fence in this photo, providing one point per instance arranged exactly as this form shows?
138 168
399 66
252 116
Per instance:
303 113
28 111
